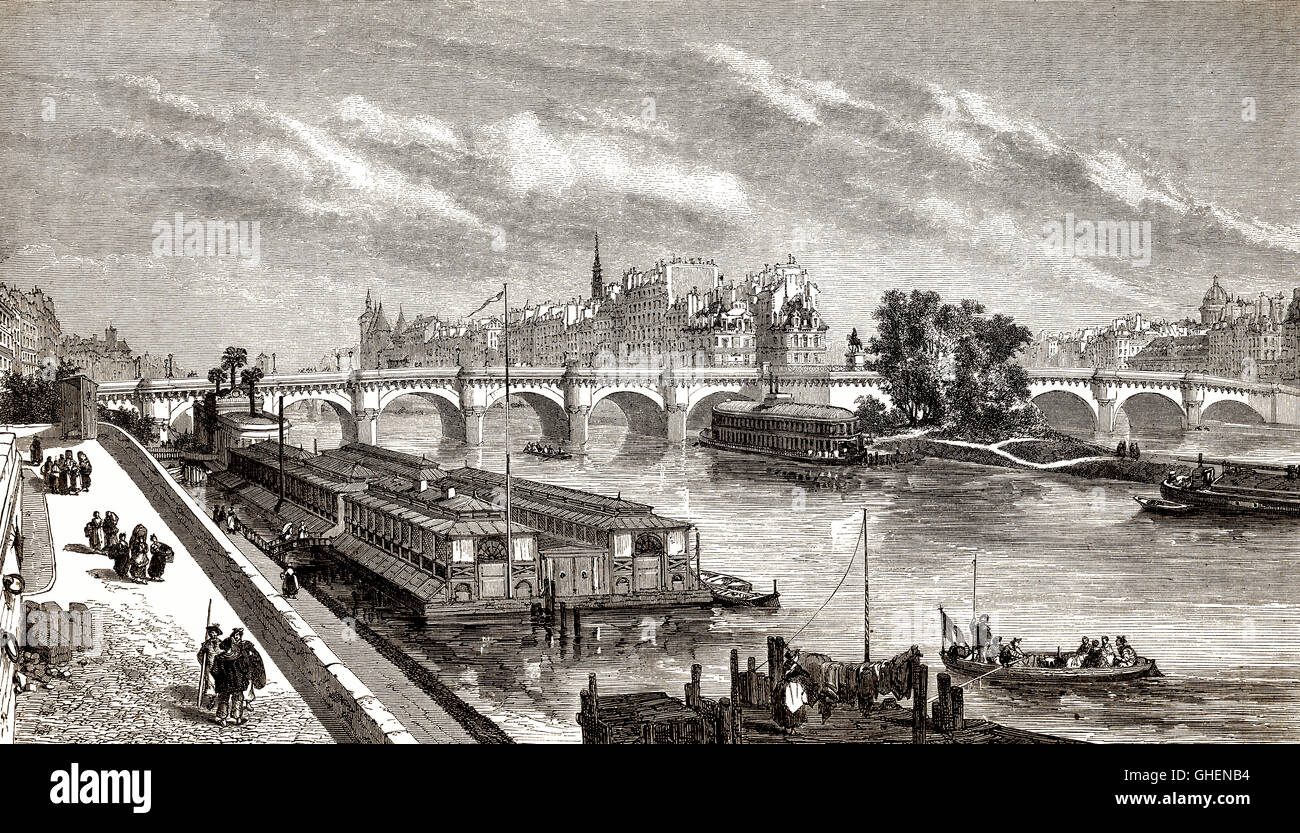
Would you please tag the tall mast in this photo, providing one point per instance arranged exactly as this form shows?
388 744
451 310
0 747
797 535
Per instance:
505 300
974 580
866 591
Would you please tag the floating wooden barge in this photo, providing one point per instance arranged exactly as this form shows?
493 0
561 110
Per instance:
748 715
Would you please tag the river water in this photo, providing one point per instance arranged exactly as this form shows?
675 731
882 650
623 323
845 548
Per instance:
1214 599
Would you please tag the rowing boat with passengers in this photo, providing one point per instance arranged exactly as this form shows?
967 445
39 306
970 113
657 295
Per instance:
1031 671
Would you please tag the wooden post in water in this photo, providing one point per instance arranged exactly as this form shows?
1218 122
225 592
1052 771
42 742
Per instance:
958 709
775 670
944 722
735 676
920 687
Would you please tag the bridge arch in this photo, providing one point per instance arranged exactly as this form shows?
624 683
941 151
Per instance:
183 419
1232 411
547 404
699 411
1063 408
339 403
642 407
446 402
1152 409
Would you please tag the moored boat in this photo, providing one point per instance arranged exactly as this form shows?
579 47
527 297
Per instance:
1162 506
735 592
1238 488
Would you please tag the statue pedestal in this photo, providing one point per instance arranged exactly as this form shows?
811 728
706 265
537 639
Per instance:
856 359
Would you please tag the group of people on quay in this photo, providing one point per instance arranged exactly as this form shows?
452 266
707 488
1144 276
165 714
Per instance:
1128 449
1091 653
142 558
65 474
226 518
232 672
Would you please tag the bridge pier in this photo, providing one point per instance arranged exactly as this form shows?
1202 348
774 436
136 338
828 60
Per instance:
1192 399
474 425
1105 415
367 423
676 423
578 425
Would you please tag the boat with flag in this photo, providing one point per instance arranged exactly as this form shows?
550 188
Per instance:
1034 667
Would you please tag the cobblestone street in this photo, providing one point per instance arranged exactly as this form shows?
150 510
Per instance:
138 684
141 688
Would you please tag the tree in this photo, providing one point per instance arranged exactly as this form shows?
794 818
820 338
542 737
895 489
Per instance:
907 353
216 376
233 359
948 362
250 378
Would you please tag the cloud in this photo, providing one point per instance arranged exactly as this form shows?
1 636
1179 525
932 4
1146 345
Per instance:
537 161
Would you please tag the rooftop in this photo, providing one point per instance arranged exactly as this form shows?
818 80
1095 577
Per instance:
789 410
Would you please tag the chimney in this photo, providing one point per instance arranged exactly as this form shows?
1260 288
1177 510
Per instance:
449 492
424 484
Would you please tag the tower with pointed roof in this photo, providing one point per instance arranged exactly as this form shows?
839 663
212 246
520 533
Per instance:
597 281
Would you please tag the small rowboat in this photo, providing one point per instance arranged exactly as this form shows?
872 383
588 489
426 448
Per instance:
735 592
553 455
1039 675
1164 507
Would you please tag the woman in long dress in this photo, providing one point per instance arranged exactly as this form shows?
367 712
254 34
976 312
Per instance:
83 468
139 553
95 533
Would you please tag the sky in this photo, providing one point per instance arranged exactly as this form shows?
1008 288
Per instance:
428 152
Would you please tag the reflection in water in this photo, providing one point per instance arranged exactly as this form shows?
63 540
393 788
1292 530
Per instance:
1213 599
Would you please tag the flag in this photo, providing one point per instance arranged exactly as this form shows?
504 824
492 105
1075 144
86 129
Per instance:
489 302
952 634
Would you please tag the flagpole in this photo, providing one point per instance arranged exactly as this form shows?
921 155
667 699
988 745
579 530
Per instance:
505 300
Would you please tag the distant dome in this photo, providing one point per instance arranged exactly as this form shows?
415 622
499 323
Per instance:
1216 294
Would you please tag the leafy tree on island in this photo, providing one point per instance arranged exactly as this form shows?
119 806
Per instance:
250 378
216 376
944 363
233 359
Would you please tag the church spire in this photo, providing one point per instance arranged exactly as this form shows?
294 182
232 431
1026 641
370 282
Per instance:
597 283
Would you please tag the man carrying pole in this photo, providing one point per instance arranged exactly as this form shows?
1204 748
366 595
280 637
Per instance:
207 652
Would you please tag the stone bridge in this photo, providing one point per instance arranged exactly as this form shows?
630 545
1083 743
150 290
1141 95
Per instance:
663 402
1181 399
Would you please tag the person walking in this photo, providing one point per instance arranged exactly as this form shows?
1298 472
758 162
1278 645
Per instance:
121 552
232 522
95 533
208 652
289 583
230 679
139 549
160 555
110 526
34 455
83 468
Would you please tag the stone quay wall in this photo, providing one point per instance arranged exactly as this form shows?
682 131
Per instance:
289 639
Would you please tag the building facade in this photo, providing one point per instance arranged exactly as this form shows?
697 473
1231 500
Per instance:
678 312
111 359
37 334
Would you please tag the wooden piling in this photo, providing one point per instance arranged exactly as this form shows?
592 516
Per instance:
943 719
920 688
958 718
776 671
